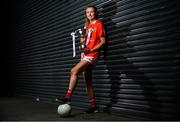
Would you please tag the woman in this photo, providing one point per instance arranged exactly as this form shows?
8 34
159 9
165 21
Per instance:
94 39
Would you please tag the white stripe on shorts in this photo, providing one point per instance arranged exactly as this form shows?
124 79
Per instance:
89 59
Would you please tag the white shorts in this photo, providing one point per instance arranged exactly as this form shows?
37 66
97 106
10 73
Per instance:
89 59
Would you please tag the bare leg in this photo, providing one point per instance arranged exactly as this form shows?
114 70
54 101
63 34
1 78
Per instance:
81 66
88 78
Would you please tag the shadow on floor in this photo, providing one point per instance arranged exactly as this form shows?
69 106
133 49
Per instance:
23 109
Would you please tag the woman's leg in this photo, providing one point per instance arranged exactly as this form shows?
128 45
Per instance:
81 66
88 78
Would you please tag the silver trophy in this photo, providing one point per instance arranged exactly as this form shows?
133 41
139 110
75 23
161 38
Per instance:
81 32
75 34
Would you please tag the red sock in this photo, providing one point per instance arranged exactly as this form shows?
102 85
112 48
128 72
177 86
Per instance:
69 93
92 102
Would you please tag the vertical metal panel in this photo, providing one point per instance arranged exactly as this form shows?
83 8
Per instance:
140 74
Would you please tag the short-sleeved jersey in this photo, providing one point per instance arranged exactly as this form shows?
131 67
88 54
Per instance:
94 32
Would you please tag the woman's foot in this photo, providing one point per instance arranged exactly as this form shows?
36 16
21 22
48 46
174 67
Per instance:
63 100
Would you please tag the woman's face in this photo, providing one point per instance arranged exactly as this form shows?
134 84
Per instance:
90 13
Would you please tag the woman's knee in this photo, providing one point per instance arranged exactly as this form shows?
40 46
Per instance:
74 71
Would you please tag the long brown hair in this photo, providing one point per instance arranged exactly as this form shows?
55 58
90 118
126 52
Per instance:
96 14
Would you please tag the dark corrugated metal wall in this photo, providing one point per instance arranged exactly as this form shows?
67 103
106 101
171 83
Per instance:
140 74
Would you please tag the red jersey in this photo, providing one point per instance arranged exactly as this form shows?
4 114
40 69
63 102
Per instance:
94 32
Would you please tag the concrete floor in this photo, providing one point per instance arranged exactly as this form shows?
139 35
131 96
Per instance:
23 109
